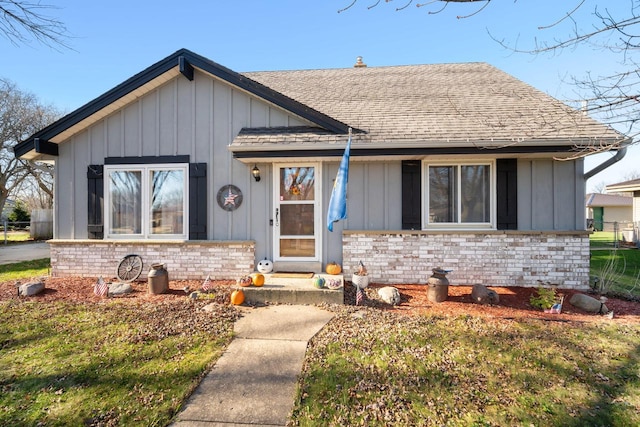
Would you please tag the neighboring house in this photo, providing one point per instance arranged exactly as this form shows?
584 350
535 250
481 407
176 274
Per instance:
607 211
633 187
452 165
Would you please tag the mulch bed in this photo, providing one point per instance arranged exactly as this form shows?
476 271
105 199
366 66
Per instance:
514 301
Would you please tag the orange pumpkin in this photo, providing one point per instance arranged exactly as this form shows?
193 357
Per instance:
257 279
333 268
245 281
237 297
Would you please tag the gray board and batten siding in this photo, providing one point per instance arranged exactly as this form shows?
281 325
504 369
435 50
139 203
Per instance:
180 118
199 119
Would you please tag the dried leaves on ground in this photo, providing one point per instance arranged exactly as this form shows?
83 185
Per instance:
514 301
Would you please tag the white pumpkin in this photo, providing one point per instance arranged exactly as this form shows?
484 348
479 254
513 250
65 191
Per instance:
265 266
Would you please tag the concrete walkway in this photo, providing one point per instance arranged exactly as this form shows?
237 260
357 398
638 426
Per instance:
254 382
18 252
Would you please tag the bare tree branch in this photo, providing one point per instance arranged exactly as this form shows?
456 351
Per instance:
568 15
418 4
24 21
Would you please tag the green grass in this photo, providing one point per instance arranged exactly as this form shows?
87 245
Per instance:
625 276
601 239
395 370
619 268
15 236
24 270
108 364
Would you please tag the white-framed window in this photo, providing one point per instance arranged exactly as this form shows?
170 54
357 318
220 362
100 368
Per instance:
146 201
460 195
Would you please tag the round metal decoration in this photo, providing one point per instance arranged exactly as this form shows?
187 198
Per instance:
129 268
229 197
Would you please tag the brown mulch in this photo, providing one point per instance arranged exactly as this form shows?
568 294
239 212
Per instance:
514 301
514 304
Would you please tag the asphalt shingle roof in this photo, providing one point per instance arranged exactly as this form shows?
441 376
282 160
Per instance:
599 199
429 105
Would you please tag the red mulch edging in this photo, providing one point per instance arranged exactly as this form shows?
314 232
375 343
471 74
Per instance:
514 301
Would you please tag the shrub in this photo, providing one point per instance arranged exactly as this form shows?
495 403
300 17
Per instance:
19 213
544 298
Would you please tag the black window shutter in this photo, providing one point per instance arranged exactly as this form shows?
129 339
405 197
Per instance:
197 201
95 223
507 188
411 195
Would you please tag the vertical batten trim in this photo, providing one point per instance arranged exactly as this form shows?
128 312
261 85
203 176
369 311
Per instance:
140 120
228 161
365 174
72 188
580 222
554 189
386 196
122 133
157 138
193 116
211 149
532 184
175 117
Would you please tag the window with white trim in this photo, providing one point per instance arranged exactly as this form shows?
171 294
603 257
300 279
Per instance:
146 201
460 195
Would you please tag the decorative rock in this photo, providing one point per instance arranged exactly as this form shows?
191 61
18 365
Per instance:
119 288
31 288
211 308
390 295
480 294
588 304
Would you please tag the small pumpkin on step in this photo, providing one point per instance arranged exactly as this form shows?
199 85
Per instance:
333 268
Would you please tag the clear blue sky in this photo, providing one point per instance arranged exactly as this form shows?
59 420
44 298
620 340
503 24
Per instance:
113 40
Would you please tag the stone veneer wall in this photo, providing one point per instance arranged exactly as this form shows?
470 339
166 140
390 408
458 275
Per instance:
182 259
491 258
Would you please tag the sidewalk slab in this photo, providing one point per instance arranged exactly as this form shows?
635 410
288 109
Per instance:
254 382
282 322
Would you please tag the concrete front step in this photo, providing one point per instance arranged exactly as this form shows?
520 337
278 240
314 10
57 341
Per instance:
293 290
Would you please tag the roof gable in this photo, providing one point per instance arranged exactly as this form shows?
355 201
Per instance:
180 62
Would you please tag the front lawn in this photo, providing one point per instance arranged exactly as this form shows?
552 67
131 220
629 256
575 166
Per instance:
25 270
104 364
15 236
380 369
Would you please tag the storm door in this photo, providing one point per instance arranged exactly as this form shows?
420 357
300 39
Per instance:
297 219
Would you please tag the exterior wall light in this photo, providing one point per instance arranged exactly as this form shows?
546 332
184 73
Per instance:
256 173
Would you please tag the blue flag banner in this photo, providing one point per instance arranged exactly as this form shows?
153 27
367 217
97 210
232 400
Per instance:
338 202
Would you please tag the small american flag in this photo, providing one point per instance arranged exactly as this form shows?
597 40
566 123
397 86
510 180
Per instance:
359 295
207 284
101 288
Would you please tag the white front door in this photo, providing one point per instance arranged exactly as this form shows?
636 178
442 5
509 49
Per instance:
297 212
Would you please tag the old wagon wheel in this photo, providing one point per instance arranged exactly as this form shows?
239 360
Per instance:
129 268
